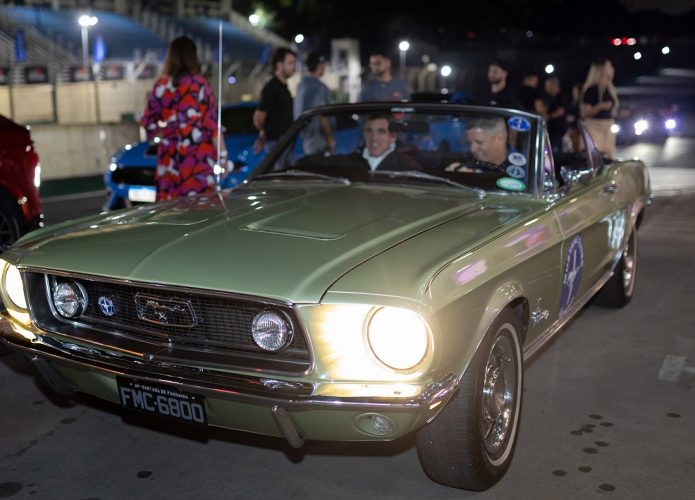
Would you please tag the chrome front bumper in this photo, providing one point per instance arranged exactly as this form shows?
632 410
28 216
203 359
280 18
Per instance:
287 400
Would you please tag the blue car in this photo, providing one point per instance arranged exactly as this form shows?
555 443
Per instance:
130 177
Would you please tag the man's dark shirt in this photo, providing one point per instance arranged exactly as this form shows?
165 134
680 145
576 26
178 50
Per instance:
502 99
276 100
394 161
556 126
528 97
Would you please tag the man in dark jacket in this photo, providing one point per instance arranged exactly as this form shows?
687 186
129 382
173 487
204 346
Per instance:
380 145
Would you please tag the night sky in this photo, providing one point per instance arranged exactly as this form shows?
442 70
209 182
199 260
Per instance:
444 25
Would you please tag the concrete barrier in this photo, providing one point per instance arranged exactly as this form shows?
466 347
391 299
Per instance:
79 150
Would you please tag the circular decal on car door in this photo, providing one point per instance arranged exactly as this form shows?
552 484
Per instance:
516 172
519 123
510 184
572 277
516 158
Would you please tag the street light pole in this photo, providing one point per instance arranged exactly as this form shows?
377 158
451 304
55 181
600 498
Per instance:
445 72
85 21
298 39
403 47
85 48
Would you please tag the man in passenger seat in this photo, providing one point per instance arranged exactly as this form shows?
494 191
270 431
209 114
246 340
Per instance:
487 139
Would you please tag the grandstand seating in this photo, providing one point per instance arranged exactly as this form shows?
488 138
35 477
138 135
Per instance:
122 36
236 44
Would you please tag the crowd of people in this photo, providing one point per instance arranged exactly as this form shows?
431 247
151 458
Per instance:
181 113
594 101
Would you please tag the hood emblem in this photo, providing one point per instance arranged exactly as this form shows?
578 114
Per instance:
106 306
167 312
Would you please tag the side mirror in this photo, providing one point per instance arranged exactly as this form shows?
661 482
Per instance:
571 175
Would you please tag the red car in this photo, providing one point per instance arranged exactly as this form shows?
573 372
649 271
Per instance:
20 171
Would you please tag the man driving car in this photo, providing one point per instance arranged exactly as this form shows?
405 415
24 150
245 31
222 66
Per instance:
380 145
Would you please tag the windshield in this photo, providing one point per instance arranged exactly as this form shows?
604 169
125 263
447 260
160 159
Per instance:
481 148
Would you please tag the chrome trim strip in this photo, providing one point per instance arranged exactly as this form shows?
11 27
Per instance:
47 348
159 286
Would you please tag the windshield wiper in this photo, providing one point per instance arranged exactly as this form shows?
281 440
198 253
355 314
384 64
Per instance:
295 173
416 174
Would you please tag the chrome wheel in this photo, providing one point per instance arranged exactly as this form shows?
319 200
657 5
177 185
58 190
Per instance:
499 395
471 442
629 263
618 290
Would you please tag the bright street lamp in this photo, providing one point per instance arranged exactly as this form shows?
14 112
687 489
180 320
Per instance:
403 47
85 21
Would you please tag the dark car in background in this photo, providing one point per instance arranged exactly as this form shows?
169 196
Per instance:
20 177
646 121
129 179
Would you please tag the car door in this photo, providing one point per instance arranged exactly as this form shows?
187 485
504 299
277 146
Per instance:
589 219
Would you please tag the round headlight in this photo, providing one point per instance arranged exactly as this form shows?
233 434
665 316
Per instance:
399 338
69 299
271 330
15 287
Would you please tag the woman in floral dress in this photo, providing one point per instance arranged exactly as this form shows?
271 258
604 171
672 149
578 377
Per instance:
182 113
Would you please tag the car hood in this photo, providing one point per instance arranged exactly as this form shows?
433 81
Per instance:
273 239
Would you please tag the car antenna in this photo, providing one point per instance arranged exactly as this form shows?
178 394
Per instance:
219 165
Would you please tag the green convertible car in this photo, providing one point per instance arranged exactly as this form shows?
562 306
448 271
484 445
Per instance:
393 283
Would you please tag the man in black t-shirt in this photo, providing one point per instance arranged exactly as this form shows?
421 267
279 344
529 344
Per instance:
274 114
530 95
557 114
498 94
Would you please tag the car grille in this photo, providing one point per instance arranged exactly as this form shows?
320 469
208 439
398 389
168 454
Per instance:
138 176
196 324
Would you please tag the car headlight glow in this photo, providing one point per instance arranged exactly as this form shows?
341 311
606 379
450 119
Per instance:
399 338
670 124
12 282
69 298
272 330
641 126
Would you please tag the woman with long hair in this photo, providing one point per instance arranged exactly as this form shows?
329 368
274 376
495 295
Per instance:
599 105
181 115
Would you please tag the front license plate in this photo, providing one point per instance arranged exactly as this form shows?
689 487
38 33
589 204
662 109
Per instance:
142 194
162 401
